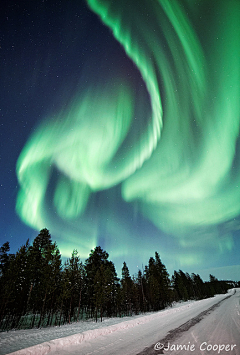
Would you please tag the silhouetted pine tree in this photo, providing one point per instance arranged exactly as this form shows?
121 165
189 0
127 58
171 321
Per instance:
180 282
15 287
127 289
200 289
157 283
164 282
189 286
52 272
73 276
141 289
94 287
5 258
44 265
105 289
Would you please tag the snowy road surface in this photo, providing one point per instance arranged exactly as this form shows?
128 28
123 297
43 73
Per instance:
221 326
216 333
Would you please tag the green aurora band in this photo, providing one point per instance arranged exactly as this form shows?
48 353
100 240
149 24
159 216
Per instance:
176 158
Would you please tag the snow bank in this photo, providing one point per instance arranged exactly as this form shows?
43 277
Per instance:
6 342
75 339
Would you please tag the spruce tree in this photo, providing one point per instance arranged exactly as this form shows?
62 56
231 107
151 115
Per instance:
127 290
73 278
158 283
4 257
98 264
15 287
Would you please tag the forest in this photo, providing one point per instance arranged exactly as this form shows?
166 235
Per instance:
38 290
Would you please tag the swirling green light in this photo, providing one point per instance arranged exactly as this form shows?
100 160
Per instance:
181 165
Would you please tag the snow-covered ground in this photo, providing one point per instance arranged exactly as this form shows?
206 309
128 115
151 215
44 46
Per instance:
68 339
216 333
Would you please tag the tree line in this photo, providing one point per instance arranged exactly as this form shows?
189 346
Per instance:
38 290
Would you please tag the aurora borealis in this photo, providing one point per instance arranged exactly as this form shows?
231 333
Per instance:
147 161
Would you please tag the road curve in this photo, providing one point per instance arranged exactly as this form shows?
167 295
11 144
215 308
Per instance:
215 331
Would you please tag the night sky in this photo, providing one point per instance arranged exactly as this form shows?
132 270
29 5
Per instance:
120 127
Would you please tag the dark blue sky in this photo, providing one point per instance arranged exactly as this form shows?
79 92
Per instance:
51 52
46 46
43 48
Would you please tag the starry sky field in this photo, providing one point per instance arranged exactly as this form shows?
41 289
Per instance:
120 127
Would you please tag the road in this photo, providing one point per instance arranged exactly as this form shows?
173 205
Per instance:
215 332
